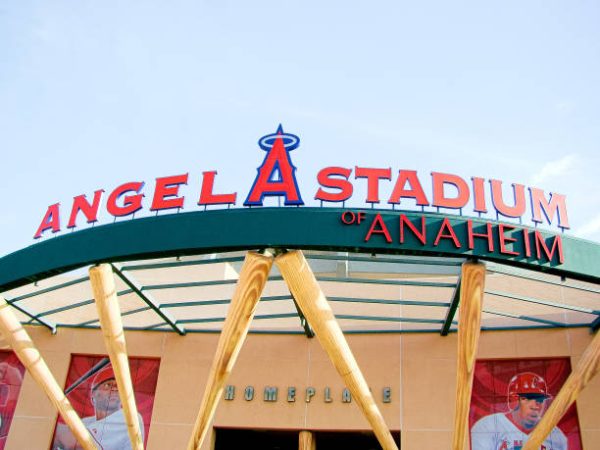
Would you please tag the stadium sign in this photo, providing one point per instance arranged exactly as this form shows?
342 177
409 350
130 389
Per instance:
276 177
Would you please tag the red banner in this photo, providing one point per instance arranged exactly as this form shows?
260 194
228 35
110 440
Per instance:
509 399
92 390
11 377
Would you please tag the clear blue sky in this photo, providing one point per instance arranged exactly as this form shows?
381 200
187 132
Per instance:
93 94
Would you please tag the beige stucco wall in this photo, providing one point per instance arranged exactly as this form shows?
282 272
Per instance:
419 369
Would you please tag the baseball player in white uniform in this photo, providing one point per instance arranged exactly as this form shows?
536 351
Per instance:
107 426
527 396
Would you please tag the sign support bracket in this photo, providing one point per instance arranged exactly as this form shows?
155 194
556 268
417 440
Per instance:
452 309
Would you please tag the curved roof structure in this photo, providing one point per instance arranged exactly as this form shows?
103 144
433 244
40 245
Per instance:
177 273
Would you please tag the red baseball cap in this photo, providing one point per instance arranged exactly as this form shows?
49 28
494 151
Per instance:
104 375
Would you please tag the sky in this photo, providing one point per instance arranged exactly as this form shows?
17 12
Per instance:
95 94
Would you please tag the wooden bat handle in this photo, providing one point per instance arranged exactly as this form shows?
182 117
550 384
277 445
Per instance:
28 354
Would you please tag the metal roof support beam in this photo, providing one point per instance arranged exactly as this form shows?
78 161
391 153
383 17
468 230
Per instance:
469 327
50 289
189 284
424 262
527 318
307 328
595 325
451 309
312 301
587 367
146 298
78 305
544 302
109 313
440 304
385 282
252 280
497 268
34 317
198 262
188 304
20 342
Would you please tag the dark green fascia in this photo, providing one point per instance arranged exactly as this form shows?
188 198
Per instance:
259 228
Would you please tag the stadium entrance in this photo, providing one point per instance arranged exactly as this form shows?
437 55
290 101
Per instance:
229 439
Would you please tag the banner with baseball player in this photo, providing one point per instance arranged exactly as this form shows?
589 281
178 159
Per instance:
509 399
92 390
11 377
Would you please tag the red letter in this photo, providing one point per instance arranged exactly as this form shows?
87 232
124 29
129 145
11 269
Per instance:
90 211
50 221
526 243
451 234
206 193
489 236
420 236
325 179
479 195
373 176
415 189
276 177
168 187
381 230
509 211
439 196
131 203
541 245
504 239
556 204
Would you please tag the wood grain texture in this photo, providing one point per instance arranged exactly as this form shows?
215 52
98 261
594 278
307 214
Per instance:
109 314
251 282
28 354
586 369
306 440
469 327
313 304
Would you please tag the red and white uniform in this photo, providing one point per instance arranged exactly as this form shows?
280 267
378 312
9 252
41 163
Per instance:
110 433
498 432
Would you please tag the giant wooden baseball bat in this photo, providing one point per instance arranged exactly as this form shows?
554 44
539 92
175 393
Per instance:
313 304
586 369
469 327
28 354
109 313
306 440
252 280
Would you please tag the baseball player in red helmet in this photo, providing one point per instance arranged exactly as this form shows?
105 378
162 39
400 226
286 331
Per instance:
107 426
527 398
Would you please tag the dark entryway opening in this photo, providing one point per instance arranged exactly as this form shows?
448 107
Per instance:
235 439
231 439
338 440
